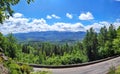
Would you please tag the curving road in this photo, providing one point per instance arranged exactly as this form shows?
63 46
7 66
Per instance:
98 68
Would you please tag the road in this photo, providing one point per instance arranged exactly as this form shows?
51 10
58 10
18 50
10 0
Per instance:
98 68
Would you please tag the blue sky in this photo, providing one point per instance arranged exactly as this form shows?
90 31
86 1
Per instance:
65 15
107 10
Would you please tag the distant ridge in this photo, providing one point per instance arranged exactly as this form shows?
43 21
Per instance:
51 36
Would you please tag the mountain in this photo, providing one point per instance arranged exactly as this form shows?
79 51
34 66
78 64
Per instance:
51 36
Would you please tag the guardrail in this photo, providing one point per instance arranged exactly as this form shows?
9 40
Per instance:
71 65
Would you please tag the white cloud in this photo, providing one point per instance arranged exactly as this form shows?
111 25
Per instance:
52 16
67 27
55 16
97 26
17 15
24 25
86 16
117 24
69 15
48 17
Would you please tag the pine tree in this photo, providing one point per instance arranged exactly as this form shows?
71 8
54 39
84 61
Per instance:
90 42
116 43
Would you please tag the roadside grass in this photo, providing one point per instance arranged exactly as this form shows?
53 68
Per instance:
113 70
43 71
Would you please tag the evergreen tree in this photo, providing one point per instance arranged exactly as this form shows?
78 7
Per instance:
111 36
12 46
111 33
116 43
90 42
102 38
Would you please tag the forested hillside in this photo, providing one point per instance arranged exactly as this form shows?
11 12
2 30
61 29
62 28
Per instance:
51 36
94 46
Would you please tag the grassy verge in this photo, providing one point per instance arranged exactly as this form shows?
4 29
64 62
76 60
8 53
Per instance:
113 70
41 72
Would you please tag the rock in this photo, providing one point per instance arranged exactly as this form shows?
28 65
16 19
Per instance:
1 50
2 55
5 58
3 70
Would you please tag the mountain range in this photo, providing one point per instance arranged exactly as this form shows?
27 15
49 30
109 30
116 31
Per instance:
51 36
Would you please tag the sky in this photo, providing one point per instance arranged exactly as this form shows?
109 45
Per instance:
62 15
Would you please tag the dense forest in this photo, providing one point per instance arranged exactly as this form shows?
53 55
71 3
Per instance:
94 46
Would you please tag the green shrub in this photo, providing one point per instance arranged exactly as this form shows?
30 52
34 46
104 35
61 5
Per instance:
14 68
26 69
111 70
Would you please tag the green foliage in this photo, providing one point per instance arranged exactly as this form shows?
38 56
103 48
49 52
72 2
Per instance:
116 43
50 54
55 60
111 70
3 42
117 71
17 69
102 43
6 10
41 72
94 46
12 48
25 69
91 44
107 42
9 45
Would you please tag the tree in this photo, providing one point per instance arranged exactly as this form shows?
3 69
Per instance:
3 42
102 38
5 8
106 41
9 45
12 46
111 36
116 42
90 43
112 33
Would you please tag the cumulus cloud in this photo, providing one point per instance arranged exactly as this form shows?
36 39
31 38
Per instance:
67 27
86 16
48 17
117 24
21 24
25 25
69 15
52 16
97 26
17 15
55 16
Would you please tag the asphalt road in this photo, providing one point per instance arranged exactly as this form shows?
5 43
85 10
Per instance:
98 68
